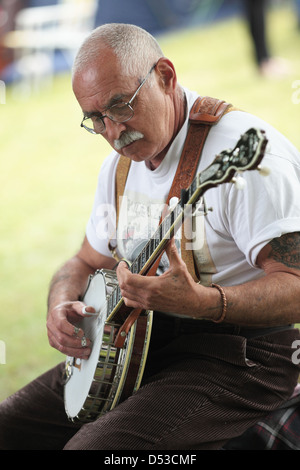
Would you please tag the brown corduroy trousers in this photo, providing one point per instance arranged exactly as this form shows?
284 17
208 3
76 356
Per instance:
200 389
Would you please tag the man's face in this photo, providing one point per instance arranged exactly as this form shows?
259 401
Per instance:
148 133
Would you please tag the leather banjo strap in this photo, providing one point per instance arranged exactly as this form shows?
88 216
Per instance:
205 112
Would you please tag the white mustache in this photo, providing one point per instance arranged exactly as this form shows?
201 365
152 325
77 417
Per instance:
127 138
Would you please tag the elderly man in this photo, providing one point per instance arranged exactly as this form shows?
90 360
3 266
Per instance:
220 350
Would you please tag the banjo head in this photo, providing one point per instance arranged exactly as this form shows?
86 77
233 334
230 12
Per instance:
96 385
82 371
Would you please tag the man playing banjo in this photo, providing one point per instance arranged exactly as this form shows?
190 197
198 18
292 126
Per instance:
220 350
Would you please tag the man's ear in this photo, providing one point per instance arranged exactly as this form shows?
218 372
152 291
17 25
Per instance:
167 74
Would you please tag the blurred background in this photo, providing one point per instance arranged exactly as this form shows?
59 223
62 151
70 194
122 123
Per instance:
246 52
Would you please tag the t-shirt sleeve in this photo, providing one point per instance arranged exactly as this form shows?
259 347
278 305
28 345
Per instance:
269 206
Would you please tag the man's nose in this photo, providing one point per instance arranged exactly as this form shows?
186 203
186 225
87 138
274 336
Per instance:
113 129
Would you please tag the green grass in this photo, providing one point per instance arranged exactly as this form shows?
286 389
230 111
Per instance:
49 171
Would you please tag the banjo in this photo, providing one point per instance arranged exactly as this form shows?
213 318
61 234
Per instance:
121 335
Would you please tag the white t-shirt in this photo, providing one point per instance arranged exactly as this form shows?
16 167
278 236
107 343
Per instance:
228 239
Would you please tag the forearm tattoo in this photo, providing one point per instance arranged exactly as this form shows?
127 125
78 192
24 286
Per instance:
286 250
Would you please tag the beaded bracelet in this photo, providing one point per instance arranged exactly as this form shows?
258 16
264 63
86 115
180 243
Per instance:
224 303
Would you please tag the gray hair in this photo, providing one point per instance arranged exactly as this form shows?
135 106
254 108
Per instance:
135 48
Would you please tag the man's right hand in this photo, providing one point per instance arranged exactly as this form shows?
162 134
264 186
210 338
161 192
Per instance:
63 333
64 315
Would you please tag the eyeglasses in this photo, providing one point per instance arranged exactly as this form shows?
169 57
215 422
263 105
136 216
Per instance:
119 112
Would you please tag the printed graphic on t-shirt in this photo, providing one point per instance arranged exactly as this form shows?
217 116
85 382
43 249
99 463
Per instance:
138 221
